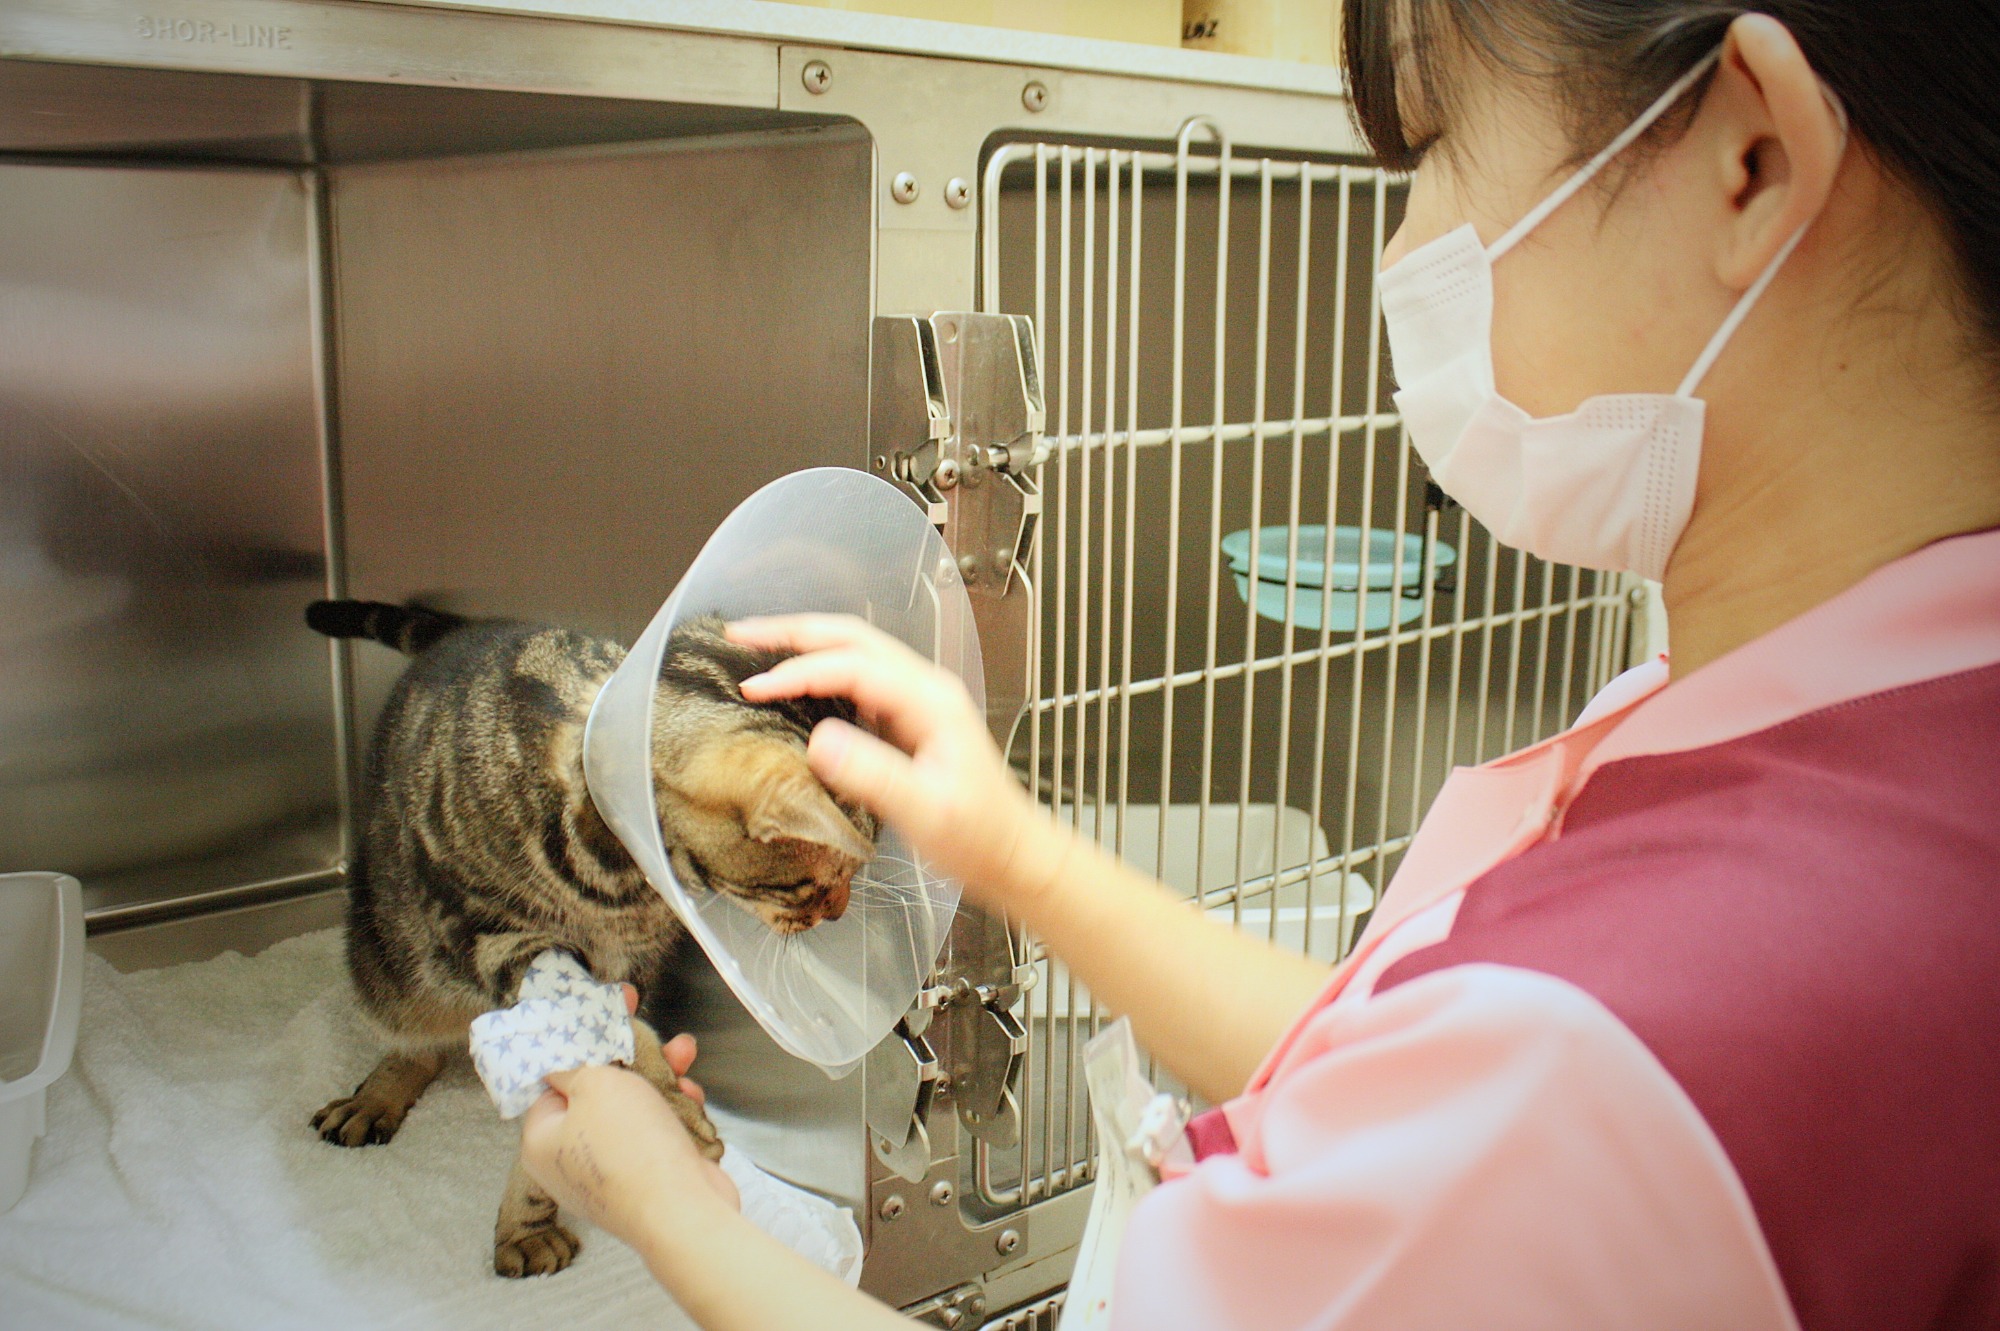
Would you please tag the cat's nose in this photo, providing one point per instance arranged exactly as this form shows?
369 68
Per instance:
834 900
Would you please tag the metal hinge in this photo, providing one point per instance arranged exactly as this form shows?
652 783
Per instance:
957 1309
956 414
936 996
901 1079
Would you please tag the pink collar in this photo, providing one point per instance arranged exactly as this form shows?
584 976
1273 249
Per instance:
1931 613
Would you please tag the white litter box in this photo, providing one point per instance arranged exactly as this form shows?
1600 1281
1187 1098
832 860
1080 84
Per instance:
41 993
1274 840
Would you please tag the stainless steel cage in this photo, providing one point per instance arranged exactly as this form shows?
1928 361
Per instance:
458 263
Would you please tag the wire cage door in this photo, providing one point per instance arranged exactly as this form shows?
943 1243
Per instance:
1263 638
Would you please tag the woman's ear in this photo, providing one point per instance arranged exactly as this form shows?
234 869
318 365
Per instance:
1779 141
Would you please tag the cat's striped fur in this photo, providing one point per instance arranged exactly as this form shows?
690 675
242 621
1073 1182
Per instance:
480 847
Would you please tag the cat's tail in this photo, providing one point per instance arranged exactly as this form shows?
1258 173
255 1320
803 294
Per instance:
407 628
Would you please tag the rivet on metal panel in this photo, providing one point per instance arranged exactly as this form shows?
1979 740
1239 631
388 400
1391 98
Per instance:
817 76
942 1194
892 1206
968 567
1009 1240
1035 96
958 192
903 189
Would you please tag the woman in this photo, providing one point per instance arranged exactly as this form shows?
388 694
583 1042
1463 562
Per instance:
1689 1017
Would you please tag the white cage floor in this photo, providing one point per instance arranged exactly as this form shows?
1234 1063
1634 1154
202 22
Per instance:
180 1186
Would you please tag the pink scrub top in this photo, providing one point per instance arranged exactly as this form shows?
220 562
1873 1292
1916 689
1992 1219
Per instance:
1686 1018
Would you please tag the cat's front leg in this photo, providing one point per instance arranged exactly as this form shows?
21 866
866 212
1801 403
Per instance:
528 1239
649 1062
371 1115
500 960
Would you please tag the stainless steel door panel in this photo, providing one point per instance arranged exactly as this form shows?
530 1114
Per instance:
166 715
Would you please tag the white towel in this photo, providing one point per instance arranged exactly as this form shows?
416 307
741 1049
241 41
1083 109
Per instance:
180 1185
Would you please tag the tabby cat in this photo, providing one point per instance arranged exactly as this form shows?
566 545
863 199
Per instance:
480 848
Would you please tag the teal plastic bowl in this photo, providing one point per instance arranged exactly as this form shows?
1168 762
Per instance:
1343 569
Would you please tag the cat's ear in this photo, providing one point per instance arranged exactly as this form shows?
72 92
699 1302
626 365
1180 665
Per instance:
794 806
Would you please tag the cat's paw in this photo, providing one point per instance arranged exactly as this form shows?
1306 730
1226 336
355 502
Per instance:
695 1119
360 1119
534 1248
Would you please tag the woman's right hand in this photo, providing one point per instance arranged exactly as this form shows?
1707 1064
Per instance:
935 773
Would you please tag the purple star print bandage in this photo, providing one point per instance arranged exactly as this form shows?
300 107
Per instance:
565 1020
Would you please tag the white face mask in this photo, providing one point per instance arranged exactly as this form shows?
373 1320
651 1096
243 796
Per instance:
1608 486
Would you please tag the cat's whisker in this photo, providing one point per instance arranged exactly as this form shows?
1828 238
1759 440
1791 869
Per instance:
901 906
877 887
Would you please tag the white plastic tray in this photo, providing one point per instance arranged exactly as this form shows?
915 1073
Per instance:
41 995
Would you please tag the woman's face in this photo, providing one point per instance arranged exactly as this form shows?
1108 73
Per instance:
1615 291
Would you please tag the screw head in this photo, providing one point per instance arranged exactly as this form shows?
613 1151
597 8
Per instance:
946 477
1009 1240
817 76
903 189
957 192
942 1193
1035 96
892 1206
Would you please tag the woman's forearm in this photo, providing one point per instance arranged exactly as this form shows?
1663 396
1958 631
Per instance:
728 1275
1208 1002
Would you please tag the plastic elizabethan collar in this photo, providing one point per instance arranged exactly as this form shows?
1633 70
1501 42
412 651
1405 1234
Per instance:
826 540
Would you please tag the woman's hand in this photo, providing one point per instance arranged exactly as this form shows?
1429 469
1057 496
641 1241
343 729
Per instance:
938 777
605 1144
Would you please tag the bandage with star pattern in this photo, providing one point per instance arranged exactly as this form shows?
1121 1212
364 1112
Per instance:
565 1020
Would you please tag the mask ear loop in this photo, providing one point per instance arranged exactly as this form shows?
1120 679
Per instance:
1706 361
1563 192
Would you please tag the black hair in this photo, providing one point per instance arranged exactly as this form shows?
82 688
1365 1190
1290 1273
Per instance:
1918 79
